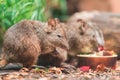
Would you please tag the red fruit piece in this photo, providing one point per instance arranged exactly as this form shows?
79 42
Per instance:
84 68
100 48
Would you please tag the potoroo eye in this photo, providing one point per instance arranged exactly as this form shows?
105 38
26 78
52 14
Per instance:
59 36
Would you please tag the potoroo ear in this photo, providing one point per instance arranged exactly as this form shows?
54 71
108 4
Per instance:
52 24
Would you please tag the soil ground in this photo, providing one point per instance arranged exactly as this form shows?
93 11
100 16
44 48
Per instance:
58 73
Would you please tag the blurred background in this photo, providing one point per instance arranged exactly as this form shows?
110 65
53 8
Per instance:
90 5
12 11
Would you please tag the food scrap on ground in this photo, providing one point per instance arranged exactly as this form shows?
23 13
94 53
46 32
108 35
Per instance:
56 73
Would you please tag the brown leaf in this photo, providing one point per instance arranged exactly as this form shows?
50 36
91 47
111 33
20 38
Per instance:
100 67
55 70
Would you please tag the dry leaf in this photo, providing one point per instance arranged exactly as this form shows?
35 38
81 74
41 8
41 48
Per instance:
100 67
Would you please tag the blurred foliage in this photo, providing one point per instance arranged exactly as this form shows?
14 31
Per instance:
58 9
13 11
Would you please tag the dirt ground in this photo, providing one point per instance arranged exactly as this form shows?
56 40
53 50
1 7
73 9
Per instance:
59 73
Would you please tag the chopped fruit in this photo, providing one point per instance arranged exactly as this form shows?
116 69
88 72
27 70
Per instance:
104 52
84 68
100 48
109 53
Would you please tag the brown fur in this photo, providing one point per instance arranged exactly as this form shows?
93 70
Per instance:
26 40
54 58
79 35
83 37
86 34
